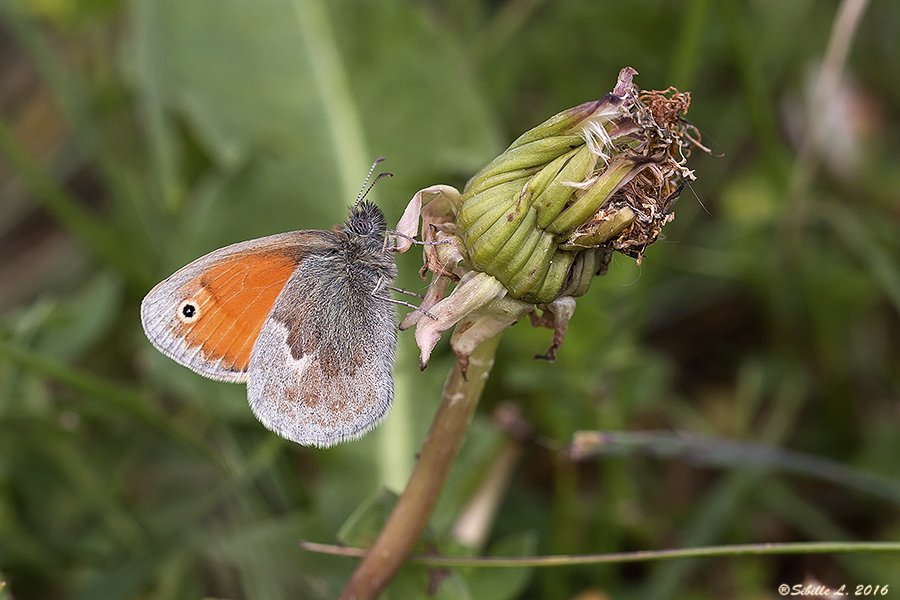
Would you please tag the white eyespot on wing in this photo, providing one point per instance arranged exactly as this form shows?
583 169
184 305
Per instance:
163 316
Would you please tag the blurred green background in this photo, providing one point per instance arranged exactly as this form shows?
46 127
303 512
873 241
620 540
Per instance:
138 135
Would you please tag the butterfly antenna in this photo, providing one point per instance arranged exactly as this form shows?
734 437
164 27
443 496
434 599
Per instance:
365 190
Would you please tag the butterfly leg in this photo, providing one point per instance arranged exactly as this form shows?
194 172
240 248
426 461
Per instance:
381 285
402 291
413 240
437 202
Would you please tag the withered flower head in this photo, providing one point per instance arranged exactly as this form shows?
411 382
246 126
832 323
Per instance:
535 225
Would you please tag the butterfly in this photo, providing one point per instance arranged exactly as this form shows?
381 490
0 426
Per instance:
302 317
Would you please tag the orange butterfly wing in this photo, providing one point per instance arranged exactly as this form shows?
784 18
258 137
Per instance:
208 315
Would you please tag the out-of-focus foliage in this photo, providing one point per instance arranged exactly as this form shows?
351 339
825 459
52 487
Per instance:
139 135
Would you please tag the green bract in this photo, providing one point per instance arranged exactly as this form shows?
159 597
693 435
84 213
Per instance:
534 227
543 216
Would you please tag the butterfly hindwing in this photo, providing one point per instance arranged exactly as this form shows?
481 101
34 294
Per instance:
321 370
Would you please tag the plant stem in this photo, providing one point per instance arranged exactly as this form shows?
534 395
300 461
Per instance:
761 549
408 520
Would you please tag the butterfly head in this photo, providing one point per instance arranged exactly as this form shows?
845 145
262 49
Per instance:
366 220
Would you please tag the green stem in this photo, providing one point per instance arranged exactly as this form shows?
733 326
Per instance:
333 84
408 520
765 549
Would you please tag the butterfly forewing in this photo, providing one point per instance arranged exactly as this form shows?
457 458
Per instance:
208 315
